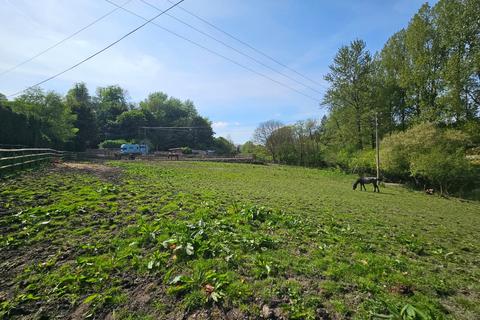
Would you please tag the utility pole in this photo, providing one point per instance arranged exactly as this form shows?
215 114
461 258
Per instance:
377 145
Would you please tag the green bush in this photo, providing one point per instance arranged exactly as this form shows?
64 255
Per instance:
186 150
363 161
338 158
223 146
441 168
428 154
112 144
258 151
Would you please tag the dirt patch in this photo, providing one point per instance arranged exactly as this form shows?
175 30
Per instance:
100 170
401 289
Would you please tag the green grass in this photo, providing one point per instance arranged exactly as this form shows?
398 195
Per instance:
177 239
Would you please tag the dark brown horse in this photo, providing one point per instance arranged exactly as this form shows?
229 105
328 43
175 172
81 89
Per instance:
366 180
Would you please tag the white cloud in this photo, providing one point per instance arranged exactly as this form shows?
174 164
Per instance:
219 125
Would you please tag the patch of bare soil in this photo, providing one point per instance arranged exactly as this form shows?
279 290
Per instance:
100 170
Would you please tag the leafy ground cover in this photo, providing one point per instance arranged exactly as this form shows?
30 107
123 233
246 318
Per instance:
183 240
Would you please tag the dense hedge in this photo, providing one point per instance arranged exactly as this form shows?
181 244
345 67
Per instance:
18 129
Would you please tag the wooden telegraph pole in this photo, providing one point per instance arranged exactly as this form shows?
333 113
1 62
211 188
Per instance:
377 146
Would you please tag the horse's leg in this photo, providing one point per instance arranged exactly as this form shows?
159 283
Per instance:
363 186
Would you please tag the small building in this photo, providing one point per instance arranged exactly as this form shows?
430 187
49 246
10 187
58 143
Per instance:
176 150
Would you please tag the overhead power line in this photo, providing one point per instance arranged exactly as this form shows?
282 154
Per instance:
174 128
217 53
60 42
231 47
250 46
100 51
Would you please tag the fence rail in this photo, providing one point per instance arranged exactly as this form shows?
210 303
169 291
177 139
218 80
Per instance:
14 159
19 158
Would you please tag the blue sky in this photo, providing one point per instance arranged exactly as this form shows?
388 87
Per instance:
304 35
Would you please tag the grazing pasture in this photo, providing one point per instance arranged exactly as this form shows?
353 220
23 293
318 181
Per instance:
189 240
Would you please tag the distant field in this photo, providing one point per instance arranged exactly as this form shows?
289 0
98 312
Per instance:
188 240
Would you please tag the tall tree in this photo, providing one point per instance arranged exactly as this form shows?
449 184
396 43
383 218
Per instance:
426 57
349 94
172 112
79 101
458 29
390 76
110 102
128 123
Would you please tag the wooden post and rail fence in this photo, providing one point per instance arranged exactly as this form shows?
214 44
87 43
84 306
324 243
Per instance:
13 159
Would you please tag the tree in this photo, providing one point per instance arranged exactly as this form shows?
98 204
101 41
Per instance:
458 32
390 78
110 102
155 103
223 146
79 121
80 102
262 136
169 111
128 123
202 136
426 57
56 118
349 93
20 129
282 141
306 137
172 112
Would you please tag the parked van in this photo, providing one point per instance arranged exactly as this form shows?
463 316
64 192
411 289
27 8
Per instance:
128 148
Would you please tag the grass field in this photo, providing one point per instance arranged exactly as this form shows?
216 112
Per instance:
182 240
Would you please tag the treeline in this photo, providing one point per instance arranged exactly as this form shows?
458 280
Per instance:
78 120
423 88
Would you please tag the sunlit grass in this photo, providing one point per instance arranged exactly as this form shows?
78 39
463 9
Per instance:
173 238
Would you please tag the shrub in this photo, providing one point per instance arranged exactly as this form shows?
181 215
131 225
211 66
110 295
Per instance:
363 161
441 168
338 158
427 153
186 150
257 151
112 144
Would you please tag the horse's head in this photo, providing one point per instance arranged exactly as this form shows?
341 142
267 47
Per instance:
355 185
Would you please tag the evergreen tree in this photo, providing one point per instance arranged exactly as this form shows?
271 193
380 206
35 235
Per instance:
80 102
349 95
